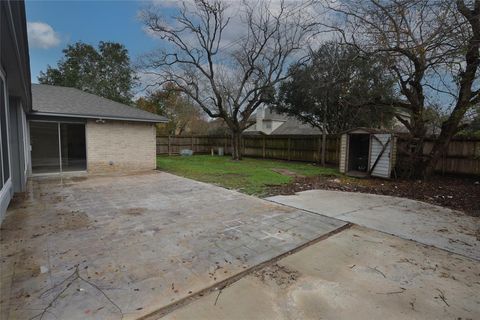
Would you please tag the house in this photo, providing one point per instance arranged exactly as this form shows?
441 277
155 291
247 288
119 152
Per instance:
267 121
71 130
50 129
15 101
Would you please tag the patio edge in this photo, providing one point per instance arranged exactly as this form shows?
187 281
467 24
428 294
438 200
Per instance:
163 311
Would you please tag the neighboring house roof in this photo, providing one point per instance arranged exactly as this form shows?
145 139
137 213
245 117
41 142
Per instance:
289 125
274 116
70 102
295 127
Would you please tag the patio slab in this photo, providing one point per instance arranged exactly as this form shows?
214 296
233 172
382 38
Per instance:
356 274
409 219
126 246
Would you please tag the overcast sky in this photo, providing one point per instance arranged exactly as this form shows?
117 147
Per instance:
54 24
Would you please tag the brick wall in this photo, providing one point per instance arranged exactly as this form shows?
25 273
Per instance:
120 146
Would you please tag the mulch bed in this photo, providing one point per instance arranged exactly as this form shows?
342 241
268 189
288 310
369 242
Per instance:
461 194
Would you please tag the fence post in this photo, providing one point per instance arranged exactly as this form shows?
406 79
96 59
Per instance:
169 152
263 148
242 139
191 141
319 149
324 146
338 147
288 148
225 140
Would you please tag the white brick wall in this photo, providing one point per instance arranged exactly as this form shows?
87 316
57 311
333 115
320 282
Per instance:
120 146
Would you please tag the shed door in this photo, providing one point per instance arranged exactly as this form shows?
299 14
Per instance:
381 148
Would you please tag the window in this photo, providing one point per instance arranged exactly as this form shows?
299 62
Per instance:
3 129
268 125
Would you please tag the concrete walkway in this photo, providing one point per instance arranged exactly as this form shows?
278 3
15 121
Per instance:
409 219
356 274
124 247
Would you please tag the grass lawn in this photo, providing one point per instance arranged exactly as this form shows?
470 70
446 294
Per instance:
249 175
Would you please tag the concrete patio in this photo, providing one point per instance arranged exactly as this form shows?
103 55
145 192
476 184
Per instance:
409 219
359 274
128 246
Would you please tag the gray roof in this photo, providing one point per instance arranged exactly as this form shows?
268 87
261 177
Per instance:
71 102
272 115
269 114
296 127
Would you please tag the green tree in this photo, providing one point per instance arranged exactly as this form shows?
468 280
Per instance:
104 71
472 128
433 50
338 90
184 117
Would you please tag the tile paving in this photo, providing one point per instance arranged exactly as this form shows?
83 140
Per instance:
125 246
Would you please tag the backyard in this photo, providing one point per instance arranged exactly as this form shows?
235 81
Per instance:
263 177
250 175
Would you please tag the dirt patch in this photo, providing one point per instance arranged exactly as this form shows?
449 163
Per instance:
57 199
26 265
287 173
135 211
18 201
276 274
78 179
72 220
461 194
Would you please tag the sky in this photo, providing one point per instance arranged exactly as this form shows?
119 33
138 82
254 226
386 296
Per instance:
54 24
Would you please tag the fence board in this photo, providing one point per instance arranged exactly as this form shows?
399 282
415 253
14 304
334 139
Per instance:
463 155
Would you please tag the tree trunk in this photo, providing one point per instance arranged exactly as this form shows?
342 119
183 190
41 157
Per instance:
466 98
416 159
236 145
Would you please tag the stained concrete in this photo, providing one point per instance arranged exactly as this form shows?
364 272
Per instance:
107 247
428 224
356 274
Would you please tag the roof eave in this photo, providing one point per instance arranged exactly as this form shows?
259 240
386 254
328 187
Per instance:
68 115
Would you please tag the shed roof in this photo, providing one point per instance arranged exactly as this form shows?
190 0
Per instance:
71 102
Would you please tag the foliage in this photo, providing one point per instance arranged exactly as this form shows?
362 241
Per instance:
251 176
104 71
472 130
183 116
339 89
432 48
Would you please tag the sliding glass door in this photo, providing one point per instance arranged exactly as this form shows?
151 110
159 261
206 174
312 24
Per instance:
57 147
45 151
73 148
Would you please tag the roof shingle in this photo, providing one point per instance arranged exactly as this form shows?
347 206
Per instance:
71 102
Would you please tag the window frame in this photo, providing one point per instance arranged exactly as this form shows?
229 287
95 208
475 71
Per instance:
6 185
59 142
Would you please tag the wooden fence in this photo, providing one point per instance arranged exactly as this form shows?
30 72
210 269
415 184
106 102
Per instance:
297 148
463 156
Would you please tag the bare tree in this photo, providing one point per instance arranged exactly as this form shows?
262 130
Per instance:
433 51
232 81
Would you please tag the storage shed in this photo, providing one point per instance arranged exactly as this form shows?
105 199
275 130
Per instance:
367 152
